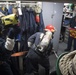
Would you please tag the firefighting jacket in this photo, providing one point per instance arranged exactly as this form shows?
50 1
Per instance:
34 41
5 48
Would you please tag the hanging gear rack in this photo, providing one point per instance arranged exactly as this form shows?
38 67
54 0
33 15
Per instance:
25 2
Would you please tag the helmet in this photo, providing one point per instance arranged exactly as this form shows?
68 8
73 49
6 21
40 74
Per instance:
50 28
9 20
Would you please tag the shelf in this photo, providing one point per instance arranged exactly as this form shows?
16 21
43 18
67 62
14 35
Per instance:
66 35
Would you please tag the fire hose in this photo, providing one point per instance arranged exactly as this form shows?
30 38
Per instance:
66 63
17 54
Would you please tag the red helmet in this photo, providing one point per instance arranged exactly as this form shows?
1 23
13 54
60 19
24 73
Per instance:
50 28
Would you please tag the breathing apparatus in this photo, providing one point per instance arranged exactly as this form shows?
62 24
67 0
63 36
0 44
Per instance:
50 29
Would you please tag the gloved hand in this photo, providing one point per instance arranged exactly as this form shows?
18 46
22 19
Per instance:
16 29
30 44
13 32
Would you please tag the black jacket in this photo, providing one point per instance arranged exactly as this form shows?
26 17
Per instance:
4 53
73 22
35 40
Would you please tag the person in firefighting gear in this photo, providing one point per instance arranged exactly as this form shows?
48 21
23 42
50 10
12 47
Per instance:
7 45
40 46
8 22
72 35
6 48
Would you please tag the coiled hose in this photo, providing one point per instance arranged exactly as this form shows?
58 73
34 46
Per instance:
66 64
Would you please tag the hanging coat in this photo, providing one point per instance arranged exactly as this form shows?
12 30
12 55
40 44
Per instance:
29 25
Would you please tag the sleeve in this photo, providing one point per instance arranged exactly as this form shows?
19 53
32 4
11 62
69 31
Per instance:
10 41
6 48
31 40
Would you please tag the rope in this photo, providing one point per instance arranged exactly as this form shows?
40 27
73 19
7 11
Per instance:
67 64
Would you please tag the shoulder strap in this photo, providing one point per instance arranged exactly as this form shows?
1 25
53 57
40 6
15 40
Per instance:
41 37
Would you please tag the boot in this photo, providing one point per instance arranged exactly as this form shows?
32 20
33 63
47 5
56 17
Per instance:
46 71
53 73
36 73
29 74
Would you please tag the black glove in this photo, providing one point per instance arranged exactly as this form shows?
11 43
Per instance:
16 29
11 33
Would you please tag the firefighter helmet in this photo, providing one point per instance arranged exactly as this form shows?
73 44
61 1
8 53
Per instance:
50 28
9 20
